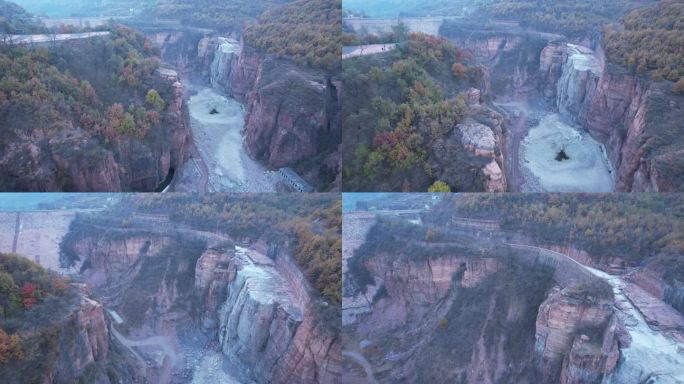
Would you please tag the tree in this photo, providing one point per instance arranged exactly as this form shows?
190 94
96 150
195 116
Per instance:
28 295
400 32
459 70
154 100
439 186
127 125
8 295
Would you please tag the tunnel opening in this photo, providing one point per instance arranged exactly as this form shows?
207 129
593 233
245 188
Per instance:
167 181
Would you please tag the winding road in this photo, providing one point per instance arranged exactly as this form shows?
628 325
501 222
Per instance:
358 358
49 38
163 342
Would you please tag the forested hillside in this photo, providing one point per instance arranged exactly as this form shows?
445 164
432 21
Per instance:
224 14
633 227
396 105
651 40
99 89
570 17
32 302
308 31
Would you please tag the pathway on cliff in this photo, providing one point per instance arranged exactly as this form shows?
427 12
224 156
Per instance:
357 357
652 355
17 229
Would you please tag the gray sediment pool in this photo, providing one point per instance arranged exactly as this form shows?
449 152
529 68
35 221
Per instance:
556 157
217 123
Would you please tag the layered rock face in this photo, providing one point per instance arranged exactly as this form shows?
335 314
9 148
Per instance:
85 341
476 144
110 260
563 343
271 324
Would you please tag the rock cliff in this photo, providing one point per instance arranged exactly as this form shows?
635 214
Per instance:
273 326
71 160
617 108
576 337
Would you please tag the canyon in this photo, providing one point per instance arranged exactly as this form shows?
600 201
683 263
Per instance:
234 117
573 121
437 295
165 302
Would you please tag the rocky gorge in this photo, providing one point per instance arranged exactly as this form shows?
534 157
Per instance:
291 112
243 315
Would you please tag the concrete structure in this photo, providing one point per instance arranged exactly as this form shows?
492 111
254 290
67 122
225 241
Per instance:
294 181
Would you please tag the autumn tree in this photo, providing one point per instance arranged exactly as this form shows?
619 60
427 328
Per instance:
439 186
28 294
459 70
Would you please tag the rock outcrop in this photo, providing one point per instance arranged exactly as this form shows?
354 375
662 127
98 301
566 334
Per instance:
273 327
470 159
84 342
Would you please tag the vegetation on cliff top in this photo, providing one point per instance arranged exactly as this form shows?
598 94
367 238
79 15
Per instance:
569 17
651 40
397 105
308 31
227 15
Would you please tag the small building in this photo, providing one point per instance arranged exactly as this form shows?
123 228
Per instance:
294 181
